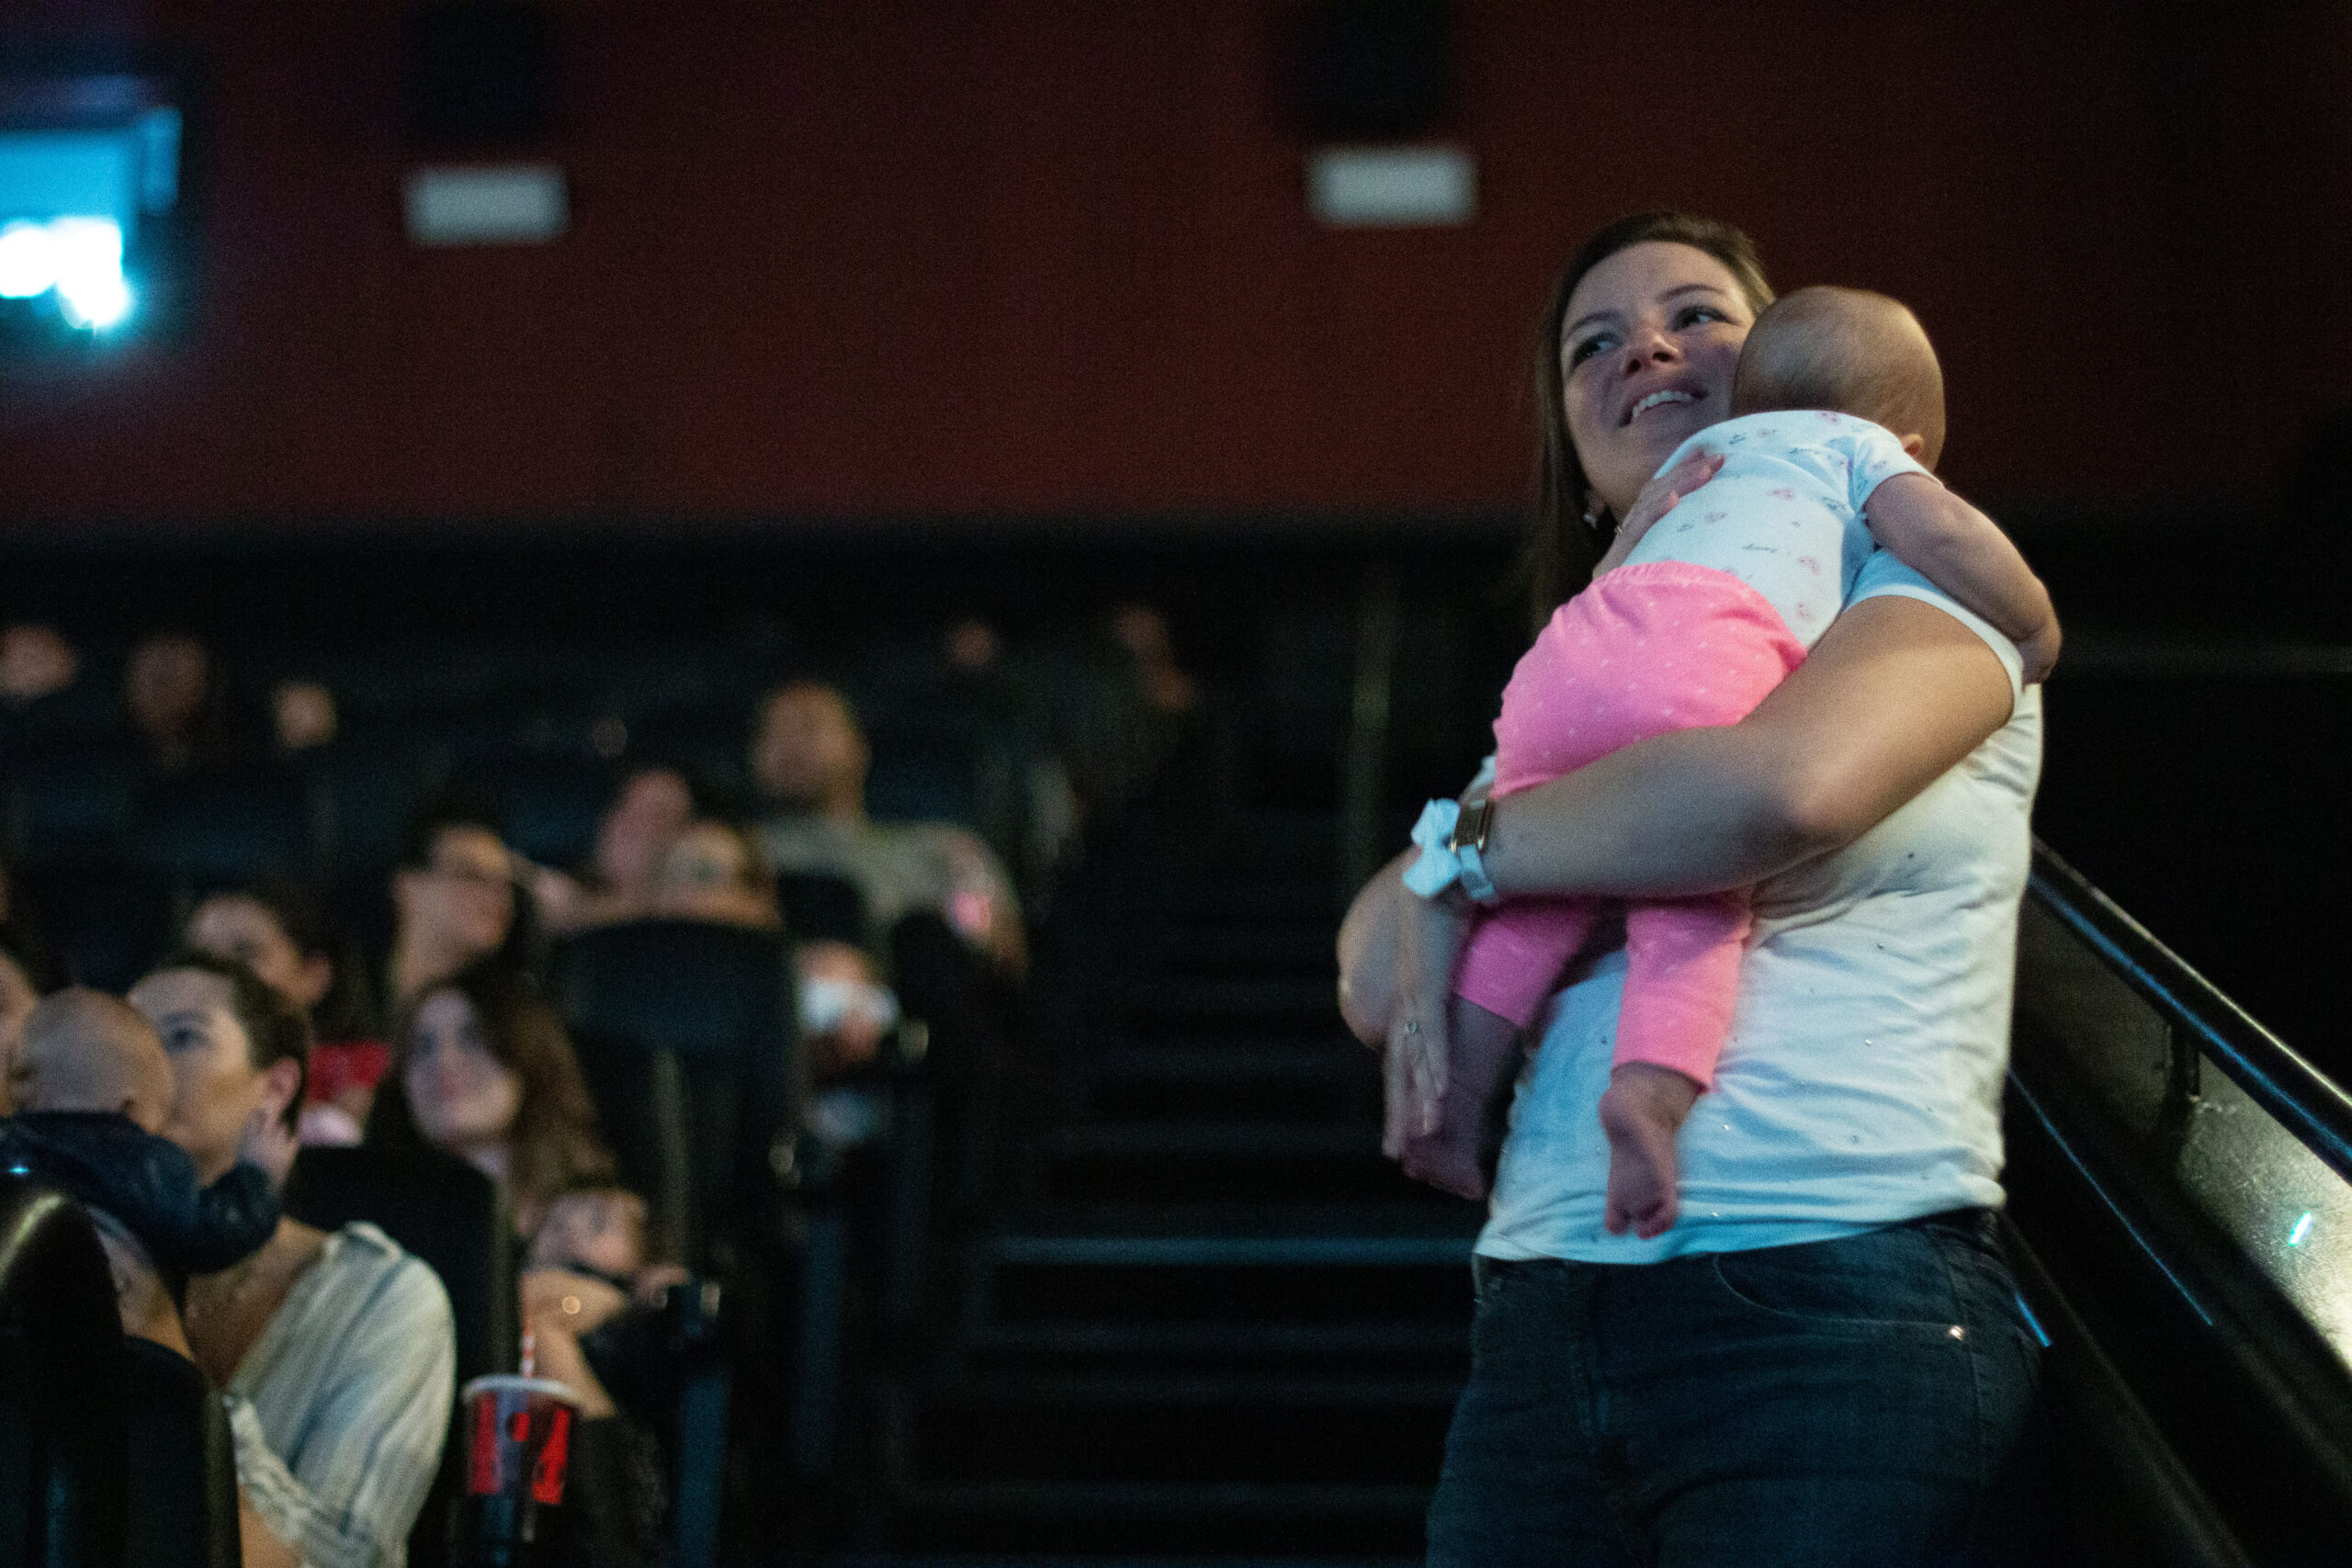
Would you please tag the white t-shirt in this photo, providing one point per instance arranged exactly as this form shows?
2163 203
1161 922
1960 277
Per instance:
1785 513
1861 1085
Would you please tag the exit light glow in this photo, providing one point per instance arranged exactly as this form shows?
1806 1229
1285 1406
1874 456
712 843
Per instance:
77 259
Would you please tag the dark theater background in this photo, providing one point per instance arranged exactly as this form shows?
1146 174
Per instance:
988 360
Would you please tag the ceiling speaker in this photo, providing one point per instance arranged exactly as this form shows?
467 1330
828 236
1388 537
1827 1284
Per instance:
1377 68
480 71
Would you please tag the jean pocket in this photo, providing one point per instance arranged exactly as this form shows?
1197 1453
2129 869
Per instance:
1883 1282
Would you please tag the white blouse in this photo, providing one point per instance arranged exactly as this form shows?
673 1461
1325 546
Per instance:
340 1408
1861 1085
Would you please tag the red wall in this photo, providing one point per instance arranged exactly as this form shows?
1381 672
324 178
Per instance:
849 257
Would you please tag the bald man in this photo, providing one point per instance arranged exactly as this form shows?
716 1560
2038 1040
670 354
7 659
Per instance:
92 1087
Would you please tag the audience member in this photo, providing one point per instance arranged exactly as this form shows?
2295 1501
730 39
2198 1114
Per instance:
35 662
481 1067
590 1295
453 898
1166 685
810 758
654 804
92 1089
167 687
335 1353
716 872
281 932
302 716
17 999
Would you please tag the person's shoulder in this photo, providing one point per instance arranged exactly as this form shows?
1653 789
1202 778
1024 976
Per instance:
363 1255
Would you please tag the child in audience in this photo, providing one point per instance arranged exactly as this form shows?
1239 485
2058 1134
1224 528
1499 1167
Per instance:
596 1229
92 1087
1837 407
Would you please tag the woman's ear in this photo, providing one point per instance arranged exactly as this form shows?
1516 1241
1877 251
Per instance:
280 1082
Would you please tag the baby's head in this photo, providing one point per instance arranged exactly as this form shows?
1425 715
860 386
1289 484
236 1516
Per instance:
82 1050
601 1226
1849 350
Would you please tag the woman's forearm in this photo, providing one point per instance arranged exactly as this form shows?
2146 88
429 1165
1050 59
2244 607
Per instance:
1896 693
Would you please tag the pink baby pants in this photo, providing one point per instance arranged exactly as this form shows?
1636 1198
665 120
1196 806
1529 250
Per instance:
1645 651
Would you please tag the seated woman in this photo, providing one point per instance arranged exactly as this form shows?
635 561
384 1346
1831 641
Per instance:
483 1068
281 932
717 871
652 807
336 1353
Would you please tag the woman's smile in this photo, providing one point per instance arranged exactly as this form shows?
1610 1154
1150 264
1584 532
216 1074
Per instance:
1652 337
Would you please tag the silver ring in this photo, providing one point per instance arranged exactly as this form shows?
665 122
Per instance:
1412 1026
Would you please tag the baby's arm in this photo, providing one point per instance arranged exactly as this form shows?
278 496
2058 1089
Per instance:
1964 553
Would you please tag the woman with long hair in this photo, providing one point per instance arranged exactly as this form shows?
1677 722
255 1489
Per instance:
1822 1360
483 1068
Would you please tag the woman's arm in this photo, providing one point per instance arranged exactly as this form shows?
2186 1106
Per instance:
1896 693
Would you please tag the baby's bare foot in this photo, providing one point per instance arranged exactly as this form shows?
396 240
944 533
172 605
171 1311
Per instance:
1642 1109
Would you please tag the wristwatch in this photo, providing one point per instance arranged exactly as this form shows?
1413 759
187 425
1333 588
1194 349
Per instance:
1453 843
1468 842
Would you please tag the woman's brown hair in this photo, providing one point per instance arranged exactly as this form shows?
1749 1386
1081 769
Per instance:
1561 545
554 1144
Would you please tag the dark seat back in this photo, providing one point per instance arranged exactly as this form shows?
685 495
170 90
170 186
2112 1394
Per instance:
444 1211
687 1035
818 907
62 1449
183 1511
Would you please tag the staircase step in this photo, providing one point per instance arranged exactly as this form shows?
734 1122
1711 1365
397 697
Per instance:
1324 1251
1403 1341
1195 1141
1098 1524
1097 1432
1222 1387
1318 1082
1234 947
1238 999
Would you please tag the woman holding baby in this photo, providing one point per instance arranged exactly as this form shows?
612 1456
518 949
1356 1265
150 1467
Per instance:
1819 1358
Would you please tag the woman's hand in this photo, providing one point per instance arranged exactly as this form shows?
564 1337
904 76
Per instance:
1658 498
1429 939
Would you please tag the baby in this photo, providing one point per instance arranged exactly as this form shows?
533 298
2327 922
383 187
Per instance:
1837 406
596 1229
92 1087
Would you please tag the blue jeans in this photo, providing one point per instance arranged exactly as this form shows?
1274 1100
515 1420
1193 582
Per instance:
1839 1402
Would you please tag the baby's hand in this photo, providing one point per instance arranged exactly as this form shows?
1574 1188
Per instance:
1658 498
2040 651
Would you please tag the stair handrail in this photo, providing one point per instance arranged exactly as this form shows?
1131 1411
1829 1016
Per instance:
2276 1075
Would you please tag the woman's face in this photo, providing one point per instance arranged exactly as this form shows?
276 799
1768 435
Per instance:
654 808
216 1087
463 1098
1647 349
463 901
234 927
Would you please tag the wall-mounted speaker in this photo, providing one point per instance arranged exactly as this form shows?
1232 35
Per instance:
480 73
1377 68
